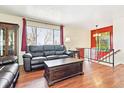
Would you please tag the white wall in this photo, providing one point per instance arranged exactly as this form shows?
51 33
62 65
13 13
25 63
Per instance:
38 24
118 33
118 39
79 37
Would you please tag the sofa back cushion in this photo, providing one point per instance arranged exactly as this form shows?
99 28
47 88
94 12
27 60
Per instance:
8 60
49 50
47 53
49 47
36 48
60 49
46 50
36 51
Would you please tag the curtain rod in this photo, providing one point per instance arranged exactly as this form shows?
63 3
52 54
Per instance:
35 20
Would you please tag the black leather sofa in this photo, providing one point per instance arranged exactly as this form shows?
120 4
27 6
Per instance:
9 71
36 55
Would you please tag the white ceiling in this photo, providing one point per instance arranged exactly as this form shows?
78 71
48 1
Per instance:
85 16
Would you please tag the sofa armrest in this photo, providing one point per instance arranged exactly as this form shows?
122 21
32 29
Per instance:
8 60
27 55
27 61
69 53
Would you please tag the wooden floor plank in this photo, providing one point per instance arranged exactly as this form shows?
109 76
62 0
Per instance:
95 76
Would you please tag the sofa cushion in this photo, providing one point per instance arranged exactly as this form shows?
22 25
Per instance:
51 57
8 76
37 60
8 59
47 53
49 48
60 52
59 47
37 54
4 83
35 48
13 68
36 51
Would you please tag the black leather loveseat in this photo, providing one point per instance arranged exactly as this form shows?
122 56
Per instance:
36 55
9 71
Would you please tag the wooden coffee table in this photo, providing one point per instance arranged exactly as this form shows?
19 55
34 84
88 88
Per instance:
60 69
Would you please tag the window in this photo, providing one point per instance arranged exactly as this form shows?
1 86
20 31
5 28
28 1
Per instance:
42 36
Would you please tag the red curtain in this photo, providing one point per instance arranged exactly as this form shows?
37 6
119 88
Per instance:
61 35
24 43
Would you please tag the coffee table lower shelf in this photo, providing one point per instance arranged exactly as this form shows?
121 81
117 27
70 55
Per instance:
59 73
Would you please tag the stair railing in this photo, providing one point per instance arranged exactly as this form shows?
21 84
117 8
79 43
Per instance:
100 55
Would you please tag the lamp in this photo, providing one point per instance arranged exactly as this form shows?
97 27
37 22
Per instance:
67 39
96 35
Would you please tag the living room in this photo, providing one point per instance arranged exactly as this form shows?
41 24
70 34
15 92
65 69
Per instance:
62 38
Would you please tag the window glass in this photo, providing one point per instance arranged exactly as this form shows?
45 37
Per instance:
31 36
56 37
42 36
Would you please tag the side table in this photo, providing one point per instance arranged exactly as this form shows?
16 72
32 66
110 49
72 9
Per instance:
75 53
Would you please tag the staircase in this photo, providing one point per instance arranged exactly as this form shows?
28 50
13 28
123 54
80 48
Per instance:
107 57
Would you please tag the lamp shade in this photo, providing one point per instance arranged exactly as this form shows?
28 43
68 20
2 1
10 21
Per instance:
67 39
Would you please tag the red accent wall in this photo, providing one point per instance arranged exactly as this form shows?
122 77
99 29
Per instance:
101 30
81 51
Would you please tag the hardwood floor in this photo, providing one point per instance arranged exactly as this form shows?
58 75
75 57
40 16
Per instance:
95 76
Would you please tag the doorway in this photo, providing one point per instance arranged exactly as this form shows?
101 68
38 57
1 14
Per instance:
102 42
